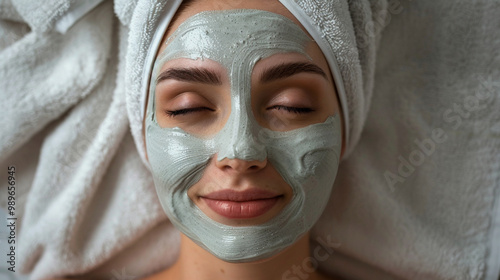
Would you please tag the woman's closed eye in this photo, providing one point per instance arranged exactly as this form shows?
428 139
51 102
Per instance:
295 110
186 111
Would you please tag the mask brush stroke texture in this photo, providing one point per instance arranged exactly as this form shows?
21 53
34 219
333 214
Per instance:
307 158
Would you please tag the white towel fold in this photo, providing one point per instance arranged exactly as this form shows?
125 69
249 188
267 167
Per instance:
8 12
42 15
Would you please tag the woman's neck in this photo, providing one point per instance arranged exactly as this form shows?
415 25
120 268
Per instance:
196 263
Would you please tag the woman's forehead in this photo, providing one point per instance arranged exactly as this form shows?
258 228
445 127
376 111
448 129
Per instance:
225 35
229 34
196 7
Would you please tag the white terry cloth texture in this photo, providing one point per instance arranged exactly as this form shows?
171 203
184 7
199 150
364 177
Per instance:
86 201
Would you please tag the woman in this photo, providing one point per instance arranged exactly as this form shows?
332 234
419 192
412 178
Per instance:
243 135
400 208
299 96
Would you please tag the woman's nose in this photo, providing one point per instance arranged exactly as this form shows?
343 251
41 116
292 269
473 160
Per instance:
240 165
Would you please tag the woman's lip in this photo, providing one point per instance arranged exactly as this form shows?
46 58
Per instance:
241 209
241 204
240 196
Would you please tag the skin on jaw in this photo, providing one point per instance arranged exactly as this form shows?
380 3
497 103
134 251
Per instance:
305 89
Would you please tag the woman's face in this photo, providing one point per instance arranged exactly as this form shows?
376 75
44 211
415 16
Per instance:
251 123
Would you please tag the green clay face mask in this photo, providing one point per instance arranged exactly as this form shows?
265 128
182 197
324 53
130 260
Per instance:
307 158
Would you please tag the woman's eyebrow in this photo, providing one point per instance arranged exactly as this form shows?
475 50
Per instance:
194 75
286 70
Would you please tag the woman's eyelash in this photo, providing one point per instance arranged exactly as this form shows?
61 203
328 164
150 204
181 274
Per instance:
186 111
296 110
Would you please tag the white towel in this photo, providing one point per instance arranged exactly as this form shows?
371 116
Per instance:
440 219
87 201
